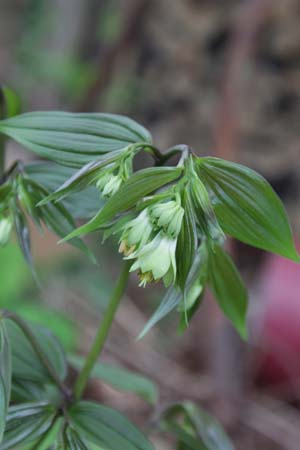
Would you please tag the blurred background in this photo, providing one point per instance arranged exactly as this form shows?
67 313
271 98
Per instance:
224 78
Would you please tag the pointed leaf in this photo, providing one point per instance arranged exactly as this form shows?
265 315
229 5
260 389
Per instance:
54 215
82 178
12 102
5 375
228 288
23 235
141 183
81 205
48 440
174 296
23 391
26 423
187 420
73 441
121 379
107 428
73 139
26 364
246 206
187 240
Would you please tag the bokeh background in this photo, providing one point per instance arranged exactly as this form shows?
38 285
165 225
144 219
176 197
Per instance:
222 76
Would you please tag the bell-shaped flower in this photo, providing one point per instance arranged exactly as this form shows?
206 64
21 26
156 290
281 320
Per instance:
136 233
156 259
168 215
5 230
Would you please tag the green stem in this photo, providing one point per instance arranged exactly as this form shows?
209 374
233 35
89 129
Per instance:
102 333
39 351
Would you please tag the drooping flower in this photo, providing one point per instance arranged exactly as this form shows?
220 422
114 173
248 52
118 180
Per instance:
168 216
5 230
156 260
136 233
113 175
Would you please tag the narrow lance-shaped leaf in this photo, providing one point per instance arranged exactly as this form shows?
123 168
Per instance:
26 364
55 216
106 428
228 288
174 296
82 178
49 439
23 234
187 240
195 291
83 204
12 102
121 379
73 139
73 441
5 375
246 206
26 423
141 183
190 422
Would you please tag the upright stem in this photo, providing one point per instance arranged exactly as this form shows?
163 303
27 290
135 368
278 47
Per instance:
103 331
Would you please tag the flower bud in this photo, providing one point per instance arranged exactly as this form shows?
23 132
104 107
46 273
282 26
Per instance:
108 184
168 215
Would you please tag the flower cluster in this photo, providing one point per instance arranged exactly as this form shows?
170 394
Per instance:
151 239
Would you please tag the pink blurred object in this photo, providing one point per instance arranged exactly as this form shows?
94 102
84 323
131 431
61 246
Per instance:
278 330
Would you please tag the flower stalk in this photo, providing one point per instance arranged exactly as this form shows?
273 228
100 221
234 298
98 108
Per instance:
102 333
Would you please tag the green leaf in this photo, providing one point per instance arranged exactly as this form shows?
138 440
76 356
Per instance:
228 288
48 440
186 440
121 379
196 423
107 428
141 183
26 423
55 216
73 139
12 102
81 205
5 375
204 212
170 301
26 364
187 240
23 391
23 235
175 296
247 208
82 178
73 441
